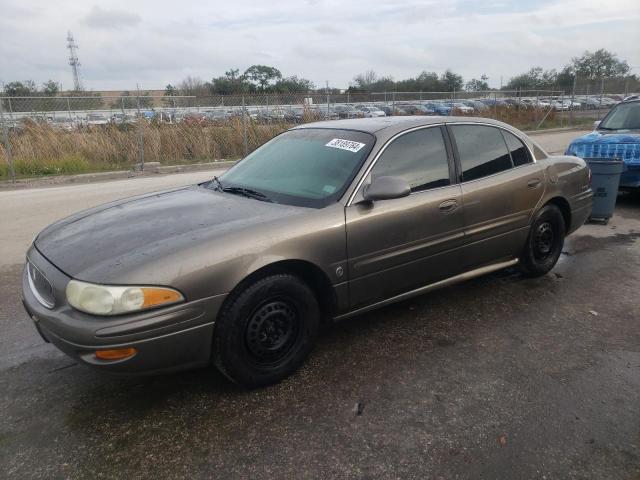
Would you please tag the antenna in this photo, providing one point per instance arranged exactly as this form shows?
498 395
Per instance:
73 61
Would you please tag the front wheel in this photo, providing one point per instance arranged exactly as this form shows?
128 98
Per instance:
266 330
544 243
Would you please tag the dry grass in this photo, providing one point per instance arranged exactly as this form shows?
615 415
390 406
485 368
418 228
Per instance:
43 150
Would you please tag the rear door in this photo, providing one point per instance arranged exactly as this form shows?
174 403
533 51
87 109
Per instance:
400 244
501 186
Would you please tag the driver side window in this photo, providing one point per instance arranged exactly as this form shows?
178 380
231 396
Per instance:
419 157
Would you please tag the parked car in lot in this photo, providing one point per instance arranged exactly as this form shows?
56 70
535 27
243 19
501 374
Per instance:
592 103
390 109
477 105
439 108
216 116
535 103
417 109
96 119
347 111
63 123
462 108
616 136
294 115
325 221
494 102
370 111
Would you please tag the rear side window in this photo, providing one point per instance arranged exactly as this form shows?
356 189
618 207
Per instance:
519 153
482 151
419 157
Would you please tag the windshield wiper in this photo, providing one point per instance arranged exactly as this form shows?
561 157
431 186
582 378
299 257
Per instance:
218 183
248 192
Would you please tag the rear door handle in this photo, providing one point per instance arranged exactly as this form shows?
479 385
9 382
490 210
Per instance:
534 182
448 205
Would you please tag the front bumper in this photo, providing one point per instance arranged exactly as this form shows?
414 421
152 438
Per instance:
630 177
166 339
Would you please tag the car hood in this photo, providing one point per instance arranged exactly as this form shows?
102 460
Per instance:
96 244
624 145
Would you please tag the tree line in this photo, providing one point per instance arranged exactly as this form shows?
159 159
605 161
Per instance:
268 79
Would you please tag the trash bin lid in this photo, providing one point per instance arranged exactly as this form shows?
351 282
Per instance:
601 166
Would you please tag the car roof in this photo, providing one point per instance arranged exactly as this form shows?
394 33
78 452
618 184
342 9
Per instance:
389 126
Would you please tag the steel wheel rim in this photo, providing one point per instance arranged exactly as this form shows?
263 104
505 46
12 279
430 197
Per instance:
543 240
271 331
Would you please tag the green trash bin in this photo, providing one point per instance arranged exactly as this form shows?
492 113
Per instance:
605 178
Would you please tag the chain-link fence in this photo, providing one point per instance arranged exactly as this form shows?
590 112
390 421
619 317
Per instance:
71 134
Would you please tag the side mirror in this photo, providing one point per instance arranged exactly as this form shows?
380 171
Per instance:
596 124
386 188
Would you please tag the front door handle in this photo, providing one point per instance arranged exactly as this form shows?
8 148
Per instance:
448 206
534 182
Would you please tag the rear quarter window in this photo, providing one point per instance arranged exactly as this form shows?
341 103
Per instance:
519 153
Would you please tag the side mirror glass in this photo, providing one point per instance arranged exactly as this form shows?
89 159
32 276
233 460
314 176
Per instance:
386 188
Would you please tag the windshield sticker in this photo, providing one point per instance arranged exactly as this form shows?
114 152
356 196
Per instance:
345 145
329 189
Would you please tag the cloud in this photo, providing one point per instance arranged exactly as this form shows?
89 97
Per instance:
153 42
111 19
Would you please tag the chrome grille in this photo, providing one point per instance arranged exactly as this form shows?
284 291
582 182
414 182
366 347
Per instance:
40 286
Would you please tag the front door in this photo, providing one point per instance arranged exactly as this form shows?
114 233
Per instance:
401 244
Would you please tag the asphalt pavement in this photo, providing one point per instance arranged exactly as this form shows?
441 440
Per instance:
498 377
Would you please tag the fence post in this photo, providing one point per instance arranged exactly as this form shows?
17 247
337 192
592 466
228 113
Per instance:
140 132
7 145
245 140
393 103
573 96
69 110
601 95
562 110
626 87
328 102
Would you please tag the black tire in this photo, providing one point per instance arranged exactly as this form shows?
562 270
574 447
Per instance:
266 330
544 243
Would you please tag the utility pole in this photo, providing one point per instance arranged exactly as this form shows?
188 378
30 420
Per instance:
74 62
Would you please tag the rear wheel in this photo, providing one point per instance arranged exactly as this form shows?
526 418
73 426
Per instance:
266 330
545 242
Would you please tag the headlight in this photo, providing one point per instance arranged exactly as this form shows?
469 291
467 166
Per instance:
108 300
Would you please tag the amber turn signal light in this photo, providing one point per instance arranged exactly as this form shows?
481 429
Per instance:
116 354
159 296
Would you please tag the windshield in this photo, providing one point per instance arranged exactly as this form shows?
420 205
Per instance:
310 167
625 116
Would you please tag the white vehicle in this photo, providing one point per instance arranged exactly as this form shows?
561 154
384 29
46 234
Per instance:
561 105
461 107
96 119
535 102
370 111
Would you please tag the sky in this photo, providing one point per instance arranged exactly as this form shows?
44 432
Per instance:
156 42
